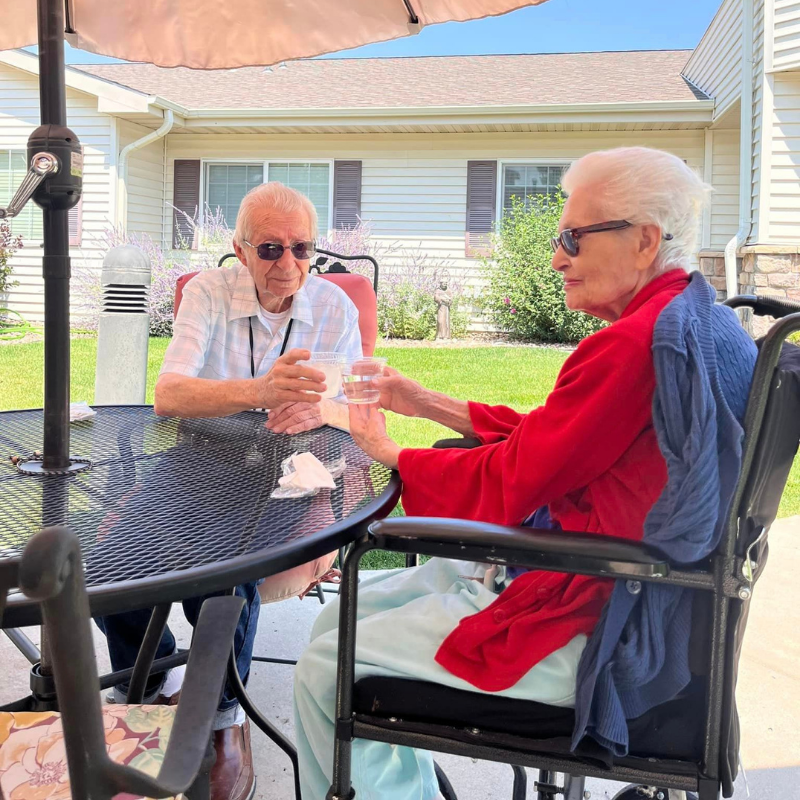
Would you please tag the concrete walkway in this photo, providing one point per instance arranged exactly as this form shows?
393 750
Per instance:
768 694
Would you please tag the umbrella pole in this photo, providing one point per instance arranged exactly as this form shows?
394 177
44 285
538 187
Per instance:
56 263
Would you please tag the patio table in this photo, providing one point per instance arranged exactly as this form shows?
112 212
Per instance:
171 509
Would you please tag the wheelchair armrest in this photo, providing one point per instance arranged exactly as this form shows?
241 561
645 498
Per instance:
463 443
202 687
559 551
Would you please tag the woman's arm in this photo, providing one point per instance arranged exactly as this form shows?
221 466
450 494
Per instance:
601 404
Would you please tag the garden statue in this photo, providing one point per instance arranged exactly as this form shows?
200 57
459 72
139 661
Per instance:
443 300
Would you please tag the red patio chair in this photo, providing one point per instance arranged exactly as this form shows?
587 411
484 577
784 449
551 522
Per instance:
357 287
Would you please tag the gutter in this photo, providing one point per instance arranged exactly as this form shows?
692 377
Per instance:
745 153
122 165
484 110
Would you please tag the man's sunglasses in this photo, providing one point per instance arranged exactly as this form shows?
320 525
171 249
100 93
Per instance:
272 251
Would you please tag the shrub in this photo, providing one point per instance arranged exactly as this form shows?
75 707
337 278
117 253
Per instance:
407 280
9 244
406 308
167 266
525 295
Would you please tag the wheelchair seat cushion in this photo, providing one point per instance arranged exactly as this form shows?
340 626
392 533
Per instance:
670 731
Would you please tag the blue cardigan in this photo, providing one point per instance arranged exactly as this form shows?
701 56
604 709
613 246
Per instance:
638 656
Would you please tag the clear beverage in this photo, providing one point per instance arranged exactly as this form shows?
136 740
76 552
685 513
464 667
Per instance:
359 389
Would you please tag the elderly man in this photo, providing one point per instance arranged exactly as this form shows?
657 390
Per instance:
238 338
593 458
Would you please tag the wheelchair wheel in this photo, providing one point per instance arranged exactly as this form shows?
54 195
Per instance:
445 787
653 793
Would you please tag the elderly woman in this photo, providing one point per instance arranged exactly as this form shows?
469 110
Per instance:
588 460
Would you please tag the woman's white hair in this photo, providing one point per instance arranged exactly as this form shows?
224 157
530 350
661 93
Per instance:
270 198
642 185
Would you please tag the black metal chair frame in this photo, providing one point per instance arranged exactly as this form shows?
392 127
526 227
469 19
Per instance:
727 578
51 572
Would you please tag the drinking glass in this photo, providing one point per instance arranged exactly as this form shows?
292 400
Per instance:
357 380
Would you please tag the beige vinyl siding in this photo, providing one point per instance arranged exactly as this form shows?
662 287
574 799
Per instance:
715 66
414 186
758 113
784 183
786 32
725 180
19 115
145 201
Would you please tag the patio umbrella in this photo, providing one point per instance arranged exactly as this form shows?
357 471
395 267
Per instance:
203 34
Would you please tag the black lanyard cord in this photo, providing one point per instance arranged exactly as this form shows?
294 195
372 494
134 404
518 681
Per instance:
283 346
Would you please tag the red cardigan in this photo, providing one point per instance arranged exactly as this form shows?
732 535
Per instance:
589 453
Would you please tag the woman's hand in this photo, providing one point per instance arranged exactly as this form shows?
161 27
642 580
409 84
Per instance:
368 429
401 394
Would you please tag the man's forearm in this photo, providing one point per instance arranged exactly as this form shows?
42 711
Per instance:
448 411
182 396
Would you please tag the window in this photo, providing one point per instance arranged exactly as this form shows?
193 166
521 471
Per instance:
313 180
13 168
525 181
227 184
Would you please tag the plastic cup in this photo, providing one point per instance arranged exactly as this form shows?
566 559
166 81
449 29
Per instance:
357 380
331 365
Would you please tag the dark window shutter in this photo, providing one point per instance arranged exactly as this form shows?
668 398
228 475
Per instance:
76 224
186 200
346 194
481 206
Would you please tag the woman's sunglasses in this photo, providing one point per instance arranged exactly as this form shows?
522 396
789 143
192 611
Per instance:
568 239
272 251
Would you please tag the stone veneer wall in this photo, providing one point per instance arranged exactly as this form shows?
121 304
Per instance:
771 270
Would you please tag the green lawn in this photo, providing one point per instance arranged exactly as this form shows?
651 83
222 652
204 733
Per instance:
519 377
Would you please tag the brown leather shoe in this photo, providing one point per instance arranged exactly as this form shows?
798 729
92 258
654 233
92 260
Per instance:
232 777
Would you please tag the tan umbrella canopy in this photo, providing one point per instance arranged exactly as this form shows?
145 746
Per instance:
219 34
204 34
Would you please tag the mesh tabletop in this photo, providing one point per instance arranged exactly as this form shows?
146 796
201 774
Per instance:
166 495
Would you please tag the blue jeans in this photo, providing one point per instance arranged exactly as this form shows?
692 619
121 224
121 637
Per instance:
125 633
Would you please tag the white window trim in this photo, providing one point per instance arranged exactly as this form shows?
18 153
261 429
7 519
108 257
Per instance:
26 241
325 225
547 161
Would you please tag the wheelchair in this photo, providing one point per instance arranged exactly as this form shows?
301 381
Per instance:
675 752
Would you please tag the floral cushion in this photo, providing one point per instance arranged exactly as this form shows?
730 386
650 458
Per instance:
33 759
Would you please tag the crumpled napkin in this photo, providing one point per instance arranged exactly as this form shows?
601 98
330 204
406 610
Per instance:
79 411
304 474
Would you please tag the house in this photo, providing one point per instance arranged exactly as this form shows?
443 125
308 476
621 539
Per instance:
430 150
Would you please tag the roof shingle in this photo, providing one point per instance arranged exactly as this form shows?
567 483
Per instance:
512 80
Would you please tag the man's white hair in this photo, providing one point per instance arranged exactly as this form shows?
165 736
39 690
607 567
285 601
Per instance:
269 198
642 185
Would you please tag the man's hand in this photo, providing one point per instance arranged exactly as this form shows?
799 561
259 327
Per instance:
368 429
288 383
296 417
400 394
